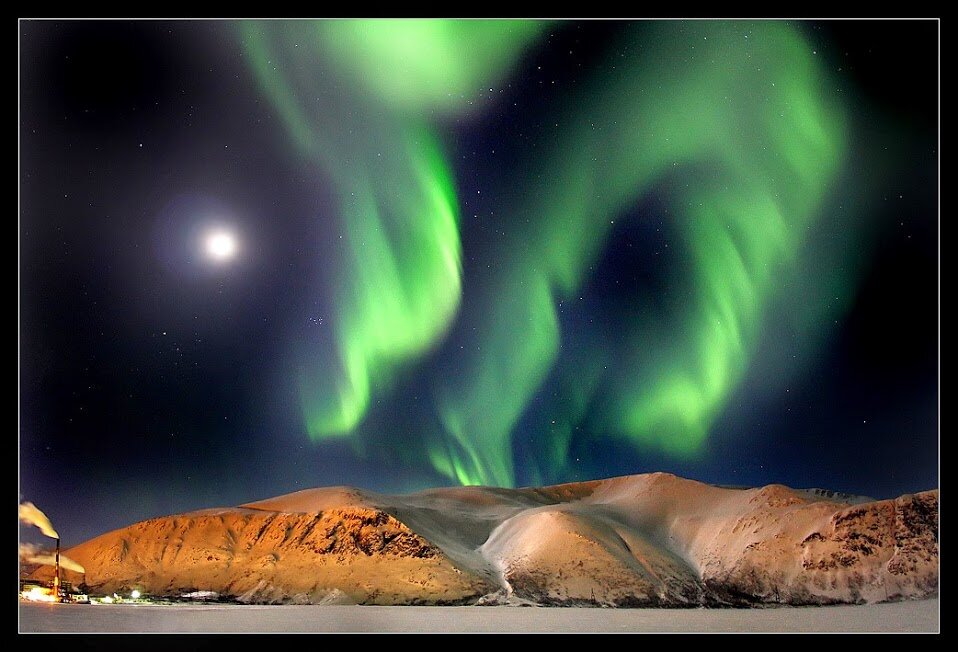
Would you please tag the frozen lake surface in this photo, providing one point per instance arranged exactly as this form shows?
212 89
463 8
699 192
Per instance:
915 616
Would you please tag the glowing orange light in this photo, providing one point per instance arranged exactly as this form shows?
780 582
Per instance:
39 594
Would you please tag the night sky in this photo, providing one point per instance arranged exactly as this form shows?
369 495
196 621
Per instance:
259 257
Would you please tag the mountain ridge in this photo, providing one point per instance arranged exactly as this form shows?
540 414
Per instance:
642 540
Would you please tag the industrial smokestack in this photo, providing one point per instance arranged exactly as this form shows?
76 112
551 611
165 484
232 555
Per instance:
56 576
29 513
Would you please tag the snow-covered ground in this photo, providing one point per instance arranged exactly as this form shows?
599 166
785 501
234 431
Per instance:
909 616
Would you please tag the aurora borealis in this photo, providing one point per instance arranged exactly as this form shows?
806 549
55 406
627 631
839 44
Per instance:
400 285
475 252
755 107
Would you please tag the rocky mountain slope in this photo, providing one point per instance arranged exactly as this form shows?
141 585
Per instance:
644 540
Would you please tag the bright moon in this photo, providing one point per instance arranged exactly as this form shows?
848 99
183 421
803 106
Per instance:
221 245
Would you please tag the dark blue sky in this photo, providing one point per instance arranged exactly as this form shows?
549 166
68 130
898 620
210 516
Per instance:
151 385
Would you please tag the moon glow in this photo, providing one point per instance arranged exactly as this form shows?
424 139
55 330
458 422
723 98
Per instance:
220 245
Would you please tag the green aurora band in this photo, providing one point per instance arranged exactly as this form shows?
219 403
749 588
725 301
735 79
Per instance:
362 116
735 120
